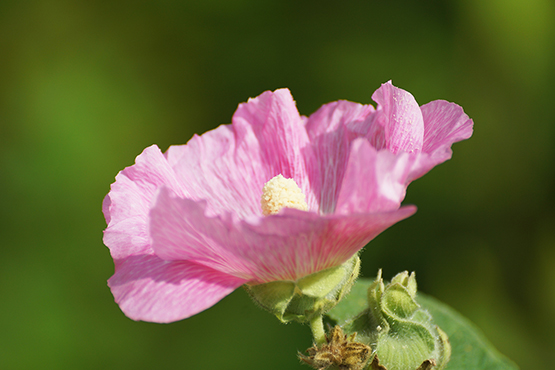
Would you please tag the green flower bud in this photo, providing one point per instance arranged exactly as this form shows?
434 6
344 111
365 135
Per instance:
405 337
309 296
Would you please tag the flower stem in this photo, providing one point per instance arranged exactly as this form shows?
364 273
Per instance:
317 327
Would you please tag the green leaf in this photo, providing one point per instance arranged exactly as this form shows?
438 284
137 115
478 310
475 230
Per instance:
470 349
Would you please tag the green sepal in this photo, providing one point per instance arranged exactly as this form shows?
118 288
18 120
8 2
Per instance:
308 297
274 296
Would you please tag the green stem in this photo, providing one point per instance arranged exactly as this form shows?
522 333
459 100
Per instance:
317 327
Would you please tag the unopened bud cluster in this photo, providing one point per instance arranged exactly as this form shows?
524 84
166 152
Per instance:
405 335
396 331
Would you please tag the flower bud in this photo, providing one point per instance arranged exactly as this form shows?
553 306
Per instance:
308 297
406 337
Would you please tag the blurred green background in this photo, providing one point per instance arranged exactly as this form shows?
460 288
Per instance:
85 86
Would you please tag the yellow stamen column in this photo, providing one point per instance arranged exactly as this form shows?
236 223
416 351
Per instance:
279 193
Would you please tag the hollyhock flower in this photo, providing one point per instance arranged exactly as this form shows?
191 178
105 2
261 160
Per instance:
186 227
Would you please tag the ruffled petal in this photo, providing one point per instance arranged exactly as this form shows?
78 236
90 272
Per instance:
150 289
276 123
330 139
223 167
329 117
127 204
445 123
229 166
400 116
375 180
283 142
286 246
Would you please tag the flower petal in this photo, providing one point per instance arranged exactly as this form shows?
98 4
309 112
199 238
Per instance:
330 138
374 181
127 204
274 119
286 246
329 117
282 138
445 123
223 167
183 229
150 289
400 116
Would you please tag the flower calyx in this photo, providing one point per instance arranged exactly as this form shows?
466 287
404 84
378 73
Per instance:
308 297
405 335
339 352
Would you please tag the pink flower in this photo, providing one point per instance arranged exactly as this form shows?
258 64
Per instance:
185 227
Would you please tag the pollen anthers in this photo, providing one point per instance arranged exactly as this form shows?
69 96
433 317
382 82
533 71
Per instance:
279 193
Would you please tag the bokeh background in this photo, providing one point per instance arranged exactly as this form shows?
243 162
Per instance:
86 86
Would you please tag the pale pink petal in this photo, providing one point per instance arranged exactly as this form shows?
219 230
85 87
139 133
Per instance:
127 205
150 289
330 153
375 180
223 167
182 229
282 139
400 116
330 139
106 204
445 123
128 237
276 123
329 117
278 247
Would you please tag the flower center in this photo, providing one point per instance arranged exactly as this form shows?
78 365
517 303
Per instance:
280 193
